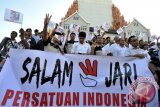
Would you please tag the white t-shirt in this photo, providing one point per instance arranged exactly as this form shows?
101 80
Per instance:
84 48
133 51
106 49
120 51
113 49
130 46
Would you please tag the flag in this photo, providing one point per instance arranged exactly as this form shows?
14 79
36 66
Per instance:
13 16
120 30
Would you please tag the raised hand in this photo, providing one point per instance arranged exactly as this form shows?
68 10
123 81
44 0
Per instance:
46 22
89 69
56 26
47 19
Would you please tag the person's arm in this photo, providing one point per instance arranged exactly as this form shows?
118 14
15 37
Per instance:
89 50
46 22
73 50
103 34
54 30
93 48
138 55
25 44
67 36
152 68
33 44
3 42
125 43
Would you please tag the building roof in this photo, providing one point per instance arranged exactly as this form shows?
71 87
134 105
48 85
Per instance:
72 9
73 15
112 31
118 19
134 19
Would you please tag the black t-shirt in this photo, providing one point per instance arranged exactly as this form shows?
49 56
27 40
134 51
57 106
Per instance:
48 41
97 48
70 42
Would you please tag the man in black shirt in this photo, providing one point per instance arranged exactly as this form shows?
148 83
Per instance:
96 48
5 46
69 44
52 42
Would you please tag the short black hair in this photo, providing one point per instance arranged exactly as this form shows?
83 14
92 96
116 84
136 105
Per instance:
108 37
82 34
130 38
72 33
14 32
28 29
36 30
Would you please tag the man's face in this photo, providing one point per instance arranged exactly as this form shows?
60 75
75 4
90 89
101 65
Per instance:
13 35
73 36
26 35
29 32
36 33
121 42
81 40
99 40
108 40
158 44
134 42
141 43
145 45
21 31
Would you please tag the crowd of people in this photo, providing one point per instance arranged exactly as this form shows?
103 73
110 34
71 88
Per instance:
118 47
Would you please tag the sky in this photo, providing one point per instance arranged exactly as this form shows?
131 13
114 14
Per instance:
145 11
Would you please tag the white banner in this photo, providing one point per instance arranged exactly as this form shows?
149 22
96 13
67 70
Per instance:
13 16
36 78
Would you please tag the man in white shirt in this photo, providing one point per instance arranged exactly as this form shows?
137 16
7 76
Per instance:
135 51
81 47
129 41
114 46
120 50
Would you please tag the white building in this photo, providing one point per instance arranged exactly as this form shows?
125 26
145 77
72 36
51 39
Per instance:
90 13
96 11
75 18
137 29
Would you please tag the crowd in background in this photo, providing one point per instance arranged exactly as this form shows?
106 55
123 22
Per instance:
54 42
